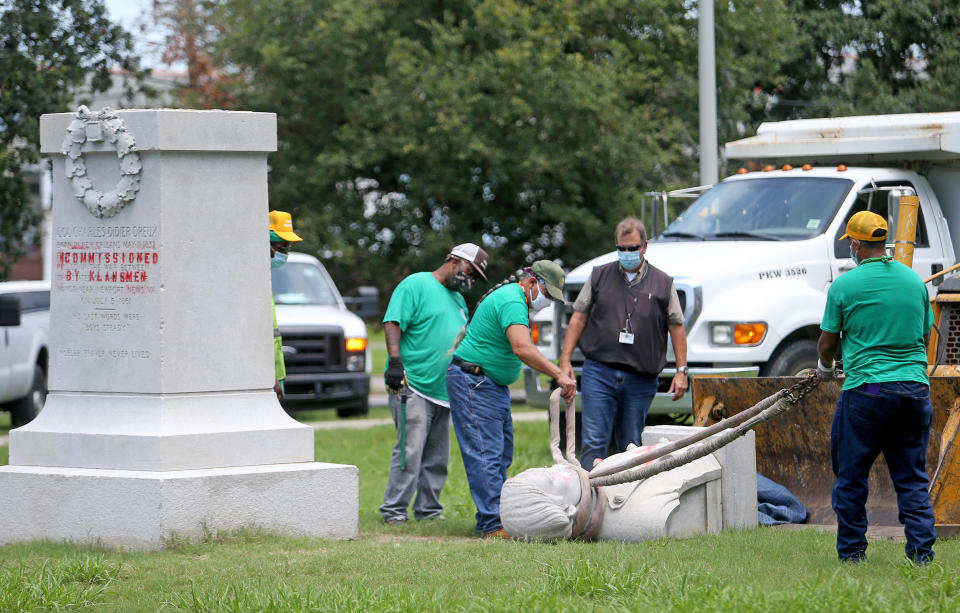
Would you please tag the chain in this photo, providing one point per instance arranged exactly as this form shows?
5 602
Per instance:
796 392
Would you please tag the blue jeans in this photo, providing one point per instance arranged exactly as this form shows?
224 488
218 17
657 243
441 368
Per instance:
480 410
614 402
892 418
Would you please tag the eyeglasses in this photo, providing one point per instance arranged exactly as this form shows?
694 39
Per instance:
629 247
542 284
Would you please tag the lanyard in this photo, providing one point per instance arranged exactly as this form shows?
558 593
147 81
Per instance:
628 324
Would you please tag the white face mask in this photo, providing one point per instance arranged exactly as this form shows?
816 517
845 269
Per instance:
540 302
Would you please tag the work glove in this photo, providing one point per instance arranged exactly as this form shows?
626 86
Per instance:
824 372
393 377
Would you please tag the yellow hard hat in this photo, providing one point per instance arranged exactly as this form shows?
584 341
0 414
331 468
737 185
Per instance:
281 224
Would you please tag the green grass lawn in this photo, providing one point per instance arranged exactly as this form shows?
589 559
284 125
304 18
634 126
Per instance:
441 566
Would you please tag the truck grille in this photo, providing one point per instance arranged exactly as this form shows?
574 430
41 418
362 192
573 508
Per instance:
313 349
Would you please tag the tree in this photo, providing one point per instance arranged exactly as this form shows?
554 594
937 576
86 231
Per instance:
866 57
190 32
47 49
530 126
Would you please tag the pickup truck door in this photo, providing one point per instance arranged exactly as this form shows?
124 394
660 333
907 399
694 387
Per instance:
6 349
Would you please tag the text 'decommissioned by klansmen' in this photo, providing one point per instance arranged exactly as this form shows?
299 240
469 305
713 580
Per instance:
108 276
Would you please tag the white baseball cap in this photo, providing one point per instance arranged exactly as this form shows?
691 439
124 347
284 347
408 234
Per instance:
473 254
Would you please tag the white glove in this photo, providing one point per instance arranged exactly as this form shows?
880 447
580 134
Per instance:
824 372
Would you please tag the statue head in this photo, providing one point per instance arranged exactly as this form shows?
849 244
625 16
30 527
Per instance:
541 503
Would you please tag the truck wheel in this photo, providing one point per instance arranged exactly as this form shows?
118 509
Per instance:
792 359
24 410
355 411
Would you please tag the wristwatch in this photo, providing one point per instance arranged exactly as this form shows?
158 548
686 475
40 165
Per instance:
684 369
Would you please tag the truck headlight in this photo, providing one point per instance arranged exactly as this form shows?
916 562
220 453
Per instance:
355 346
356 362
744 334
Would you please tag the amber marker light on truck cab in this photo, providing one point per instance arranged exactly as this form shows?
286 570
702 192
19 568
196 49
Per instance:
356 344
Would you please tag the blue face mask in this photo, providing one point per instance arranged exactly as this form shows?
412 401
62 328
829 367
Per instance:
278 259
629 260
853 256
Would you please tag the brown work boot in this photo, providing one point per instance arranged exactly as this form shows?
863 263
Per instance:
500 533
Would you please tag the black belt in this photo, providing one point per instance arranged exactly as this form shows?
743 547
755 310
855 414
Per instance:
465 366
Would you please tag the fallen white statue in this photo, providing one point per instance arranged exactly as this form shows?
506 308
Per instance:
669 489
544 503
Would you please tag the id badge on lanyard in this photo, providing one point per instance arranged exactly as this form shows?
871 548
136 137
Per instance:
626 335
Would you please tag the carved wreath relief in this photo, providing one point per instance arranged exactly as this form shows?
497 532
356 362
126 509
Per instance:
105 125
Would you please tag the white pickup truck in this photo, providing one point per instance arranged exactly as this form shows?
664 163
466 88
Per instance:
753 256
24 348
324 344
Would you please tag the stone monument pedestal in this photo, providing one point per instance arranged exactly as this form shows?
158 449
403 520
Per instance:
161 421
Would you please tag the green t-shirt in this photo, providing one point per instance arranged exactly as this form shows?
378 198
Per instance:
430 318
486 342
883 311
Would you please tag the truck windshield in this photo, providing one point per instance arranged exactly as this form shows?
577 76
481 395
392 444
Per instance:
300 283
762 209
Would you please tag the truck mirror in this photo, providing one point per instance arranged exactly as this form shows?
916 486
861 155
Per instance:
9 311
366 304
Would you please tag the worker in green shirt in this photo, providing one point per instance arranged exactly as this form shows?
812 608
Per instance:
425 316
882 310
487 361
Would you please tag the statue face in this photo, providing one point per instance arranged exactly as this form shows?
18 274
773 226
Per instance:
560 483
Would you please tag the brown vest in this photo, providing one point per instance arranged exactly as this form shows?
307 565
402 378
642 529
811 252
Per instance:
647 302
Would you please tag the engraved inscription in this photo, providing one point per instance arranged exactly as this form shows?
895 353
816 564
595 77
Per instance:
106 274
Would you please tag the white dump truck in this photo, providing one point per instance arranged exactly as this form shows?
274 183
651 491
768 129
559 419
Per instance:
753 256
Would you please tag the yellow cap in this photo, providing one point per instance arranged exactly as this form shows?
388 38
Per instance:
866 226
282 225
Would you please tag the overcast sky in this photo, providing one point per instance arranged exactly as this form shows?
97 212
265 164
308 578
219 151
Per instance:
127 14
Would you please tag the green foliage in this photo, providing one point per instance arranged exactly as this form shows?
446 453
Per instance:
255 596
55 585
47 49
531 127
861 58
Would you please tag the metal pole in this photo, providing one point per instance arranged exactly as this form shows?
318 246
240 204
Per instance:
708 96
